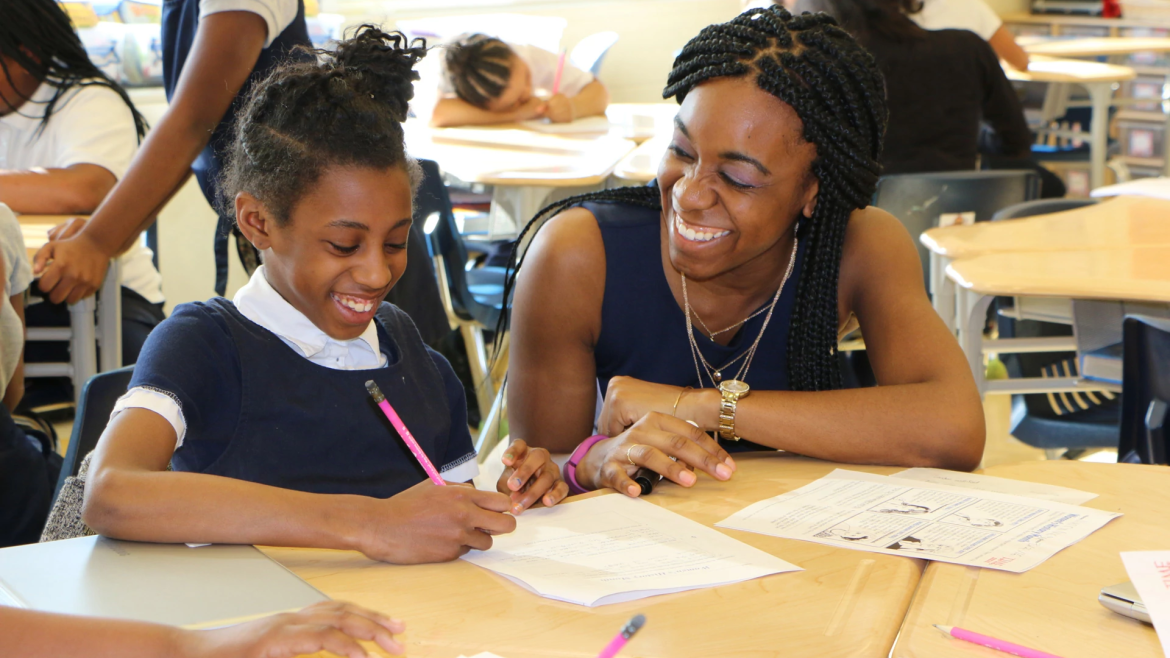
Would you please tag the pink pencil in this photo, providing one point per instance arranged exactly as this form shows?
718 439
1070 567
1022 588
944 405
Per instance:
623 636
415 448
557 80
992 643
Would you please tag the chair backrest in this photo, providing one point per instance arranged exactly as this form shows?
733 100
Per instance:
93 414
918 200
1040 207
1145 395
590 52
444 240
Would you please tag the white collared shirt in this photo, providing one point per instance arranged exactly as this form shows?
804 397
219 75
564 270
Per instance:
261 303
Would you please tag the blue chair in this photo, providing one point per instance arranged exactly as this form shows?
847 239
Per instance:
1041 207
1145 396
1053 421
474 298
93 414
918 200
590 52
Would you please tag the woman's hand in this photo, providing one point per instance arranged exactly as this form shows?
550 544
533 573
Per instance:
655 441
531 476
331 626
428 523
67 228
627 400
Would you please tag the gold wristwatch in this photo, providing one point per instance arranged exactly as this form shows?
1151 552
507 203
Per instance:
732 390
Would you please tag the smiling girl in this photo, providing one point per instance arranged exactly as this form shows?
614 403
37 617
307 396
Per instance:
259 403
718 293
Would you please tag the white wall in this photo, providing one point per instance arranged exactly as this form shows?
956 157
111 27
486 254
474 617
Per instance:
635 70
1009 6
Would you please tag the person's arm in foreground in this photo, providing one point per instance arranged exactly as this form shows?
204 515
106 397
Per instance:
329 626
226 48
130 495
15 390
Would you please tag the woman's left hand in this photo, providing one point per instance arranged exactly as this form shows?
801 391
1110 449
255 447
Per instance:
531 476
627 400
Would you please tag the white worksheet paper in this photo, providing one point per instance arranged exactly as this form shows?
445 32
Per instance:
1150 573
895 516
612 548
1048 492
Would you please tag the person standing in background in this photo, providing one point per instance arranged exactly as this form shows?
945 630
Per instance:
212 50
67 135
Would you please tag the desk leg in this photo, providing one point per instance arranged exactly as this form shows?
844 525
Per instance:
1101 95
109 322
973 311
83 345
942 290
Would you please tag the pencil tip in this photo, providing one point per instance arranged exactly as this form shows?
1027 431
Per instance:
945 629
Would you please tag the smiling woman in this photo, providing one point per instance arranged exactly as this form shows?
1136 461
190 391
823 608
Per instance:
716 294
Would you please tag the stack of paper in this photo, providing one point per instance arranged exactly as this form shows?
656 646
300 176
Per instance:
897 516
613 548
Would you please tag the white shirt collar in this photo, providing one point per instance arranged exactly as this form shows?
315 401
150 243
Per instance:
261 303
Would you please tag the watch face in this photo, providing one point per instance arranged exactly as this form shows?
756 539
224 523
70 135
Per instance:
733 386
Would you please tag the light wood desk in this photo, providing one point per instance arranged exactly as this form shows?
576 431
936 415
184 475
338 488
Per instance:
524 167
1095 47
1098 80
1117 223
641 165
1139 274
83 334
642 121
845 603
1053 607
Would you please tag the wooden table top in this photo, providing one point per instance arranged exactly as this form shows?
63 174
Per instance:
511 156
1096 46
1053 607
1051 69
845 603
1139 275
1118 223
641 165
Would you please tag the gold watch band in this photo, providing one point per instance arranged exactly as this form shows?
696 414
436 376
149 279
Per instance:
727 419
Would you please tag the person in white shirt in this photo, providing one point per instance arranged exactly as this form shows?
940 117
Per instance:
67 135
482 80
973 15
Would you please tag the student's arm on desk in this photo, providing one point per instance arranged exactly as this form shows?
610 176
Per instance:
130 495
226 48
76 189
449 112
328 626
590 101
925 411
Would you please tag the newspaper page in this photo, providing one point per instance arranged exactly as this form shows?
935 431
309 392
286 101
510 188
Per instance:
897 516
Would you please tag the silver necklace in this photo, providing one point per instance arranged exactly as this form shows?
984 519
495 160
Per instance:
714 374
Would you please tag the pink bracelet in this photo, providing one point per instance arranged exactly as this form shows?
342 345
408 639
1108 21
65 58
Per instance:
570 470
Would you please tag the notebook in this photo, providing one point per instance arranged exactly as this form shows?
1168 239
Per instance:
162 583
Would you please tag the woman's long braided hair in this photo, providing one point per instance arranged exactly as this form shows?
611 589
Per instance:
838 92
38 36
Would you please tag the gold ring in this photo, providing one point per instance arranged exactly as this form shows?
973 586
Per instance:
628 457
